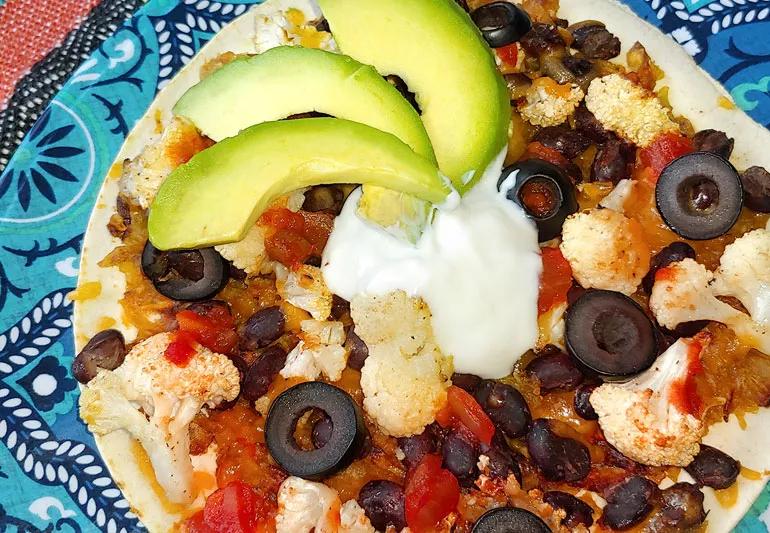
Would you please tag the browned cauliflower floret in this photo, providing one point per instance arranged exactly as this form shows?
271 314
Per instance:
143 175
550 104
305 288
744 273
646 418
685 292
403 393
405 376
320 350
394 318
155 400
628 109
606 250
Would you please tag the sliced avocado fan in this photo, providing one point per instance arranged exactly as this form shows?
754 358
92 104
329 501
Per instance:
435 47
289 80
218 195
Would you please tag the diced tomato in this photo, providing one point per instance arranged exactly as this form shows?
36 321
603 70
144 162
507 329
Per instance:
555 281
318 227
663 151
462 408
181 349
215 330
536 150
508 54
288 248
431 494
282 218
295 237
236 508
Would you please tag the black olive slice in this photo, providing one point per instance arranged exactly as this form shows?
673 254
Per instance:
699 196
501 23
543 191
610 334
510 520
345 440
185 275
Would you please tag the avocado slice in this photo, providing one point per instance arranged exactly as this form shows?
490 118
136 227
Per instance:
435 47
288 80
218 195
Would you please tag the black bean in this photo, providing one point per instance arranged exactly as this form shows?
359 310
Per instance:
326 198
599 44
681 509
587 123
716 142
357 350
259 376
416 447
205 307
673 253
106 349
383 503
542 38
582 402
578 511
263 328
566 141
467 382
502 460
505 406
558 458
460 455
555 371
714 468
579 66
340 307
756 189
614 161
628 502
322 430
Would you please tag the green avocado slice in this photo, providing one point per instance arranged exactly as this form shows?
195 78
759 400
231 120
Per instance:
435 47
218 195
288 80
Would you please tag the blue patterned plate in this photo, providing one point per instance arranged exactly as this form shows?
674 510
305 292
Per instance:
52 478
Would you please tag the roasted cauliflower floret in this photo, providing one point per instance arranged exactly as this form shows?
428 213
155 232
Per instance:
744 273
248 254
403 393
605 250
320 350
305 288
282 25
628 109
305 506
550 104
393 318
143 175
685 292
648 419
155 400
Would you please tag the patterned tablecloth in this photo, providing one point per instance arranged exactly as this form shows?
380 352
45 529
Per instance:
51 477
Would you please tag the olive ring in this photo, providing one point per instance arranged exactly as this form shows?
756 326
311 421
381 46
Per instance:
347 439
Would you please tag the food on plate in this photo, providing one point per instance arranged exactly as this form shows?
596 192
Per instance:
386 265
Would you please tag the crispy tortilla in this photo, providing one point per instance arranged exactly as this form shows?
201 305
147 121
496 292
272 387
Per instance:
693 94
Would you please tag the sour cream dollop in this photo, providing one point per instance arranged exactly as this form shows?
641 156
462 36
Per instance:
477 266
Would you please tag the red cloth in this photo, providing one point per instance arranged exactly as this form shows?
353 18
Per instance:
29 30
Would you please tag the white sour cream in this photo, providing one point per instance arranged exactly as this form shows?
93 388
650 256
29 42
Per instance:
477 266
